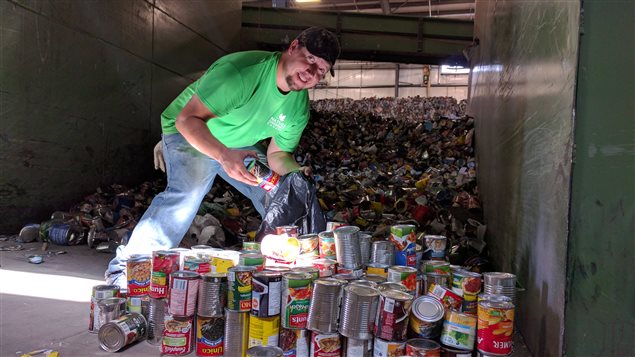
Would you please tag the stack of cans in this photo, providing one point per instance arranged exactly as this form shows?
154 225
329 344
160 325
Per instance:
100 292
323 317
179 322
239 287
210 314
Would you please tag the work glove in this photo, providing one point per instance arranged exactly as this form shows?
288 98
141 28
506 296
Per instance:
159 163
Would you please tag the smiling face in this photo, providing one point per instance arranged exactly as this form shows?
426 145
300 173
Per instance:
300 69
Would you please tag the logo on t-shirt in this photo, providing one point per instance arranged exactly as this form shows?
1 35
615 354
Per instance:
277 122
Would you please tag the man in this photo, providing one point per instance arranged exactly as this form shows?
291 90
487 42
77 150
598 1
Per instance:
212 126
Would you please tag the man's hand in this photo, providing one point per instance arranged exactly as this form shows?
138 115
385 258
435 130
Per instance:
233 163
159 162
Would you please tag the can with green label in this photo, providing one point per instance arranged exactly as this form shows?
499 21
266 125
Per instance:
296 297
239 288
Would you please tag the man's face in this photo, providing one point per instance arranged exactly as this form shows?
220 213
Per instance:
304 70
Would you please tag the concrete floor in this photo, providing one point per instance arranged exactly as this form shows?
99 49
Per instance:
46 306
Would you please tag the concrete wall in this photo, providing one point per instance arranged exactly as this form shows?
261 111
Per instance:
600 313
82 85
522 96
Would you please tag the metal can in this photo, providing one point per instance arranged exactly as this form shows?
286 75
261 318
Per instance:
177 335
365 242
403 237
389 285
309 244
267 178
239 288
236 332
252 260
420 347
109 309
358 311
495 326
326 245
347 249
324 310
138 271
436 266
435 278
183 293
99 292
363 282
296 297
212 294
291 231
466 282
469 305
164 263
331 225
448 298
315 272
377 269
405 275
326 267
378 279
426 317
325 345
391 321
357 273
210 335
459 330
255 246
265 351
196 264
263 331
384 348
357 348
382 252
156 318
138 304
266 290
121 332
435 247
295 343
455 352
345 277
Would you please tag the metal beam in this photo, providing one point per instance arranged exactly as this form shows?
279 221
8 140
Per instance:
366 37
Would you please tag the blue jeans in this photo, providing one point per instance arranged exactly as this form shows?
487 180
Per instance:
190 177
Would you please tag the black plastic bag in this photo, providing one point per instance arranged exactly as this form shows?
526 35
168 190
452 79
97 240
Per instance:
294 202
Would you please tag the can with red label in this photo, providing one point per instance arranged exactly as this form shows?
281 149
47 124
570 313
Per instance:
294 343
267 178
421 347
210 334
239 288
291 231
183 293
448 298
138 271
326 267
391 322
296 297
495 325
405 275
177 336
164 263
325 344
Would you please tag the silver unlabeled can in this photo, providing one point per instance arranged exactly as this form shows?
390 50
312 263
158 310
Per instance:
324 310
212 294
382 252
156 317
358 311
347 248
236 333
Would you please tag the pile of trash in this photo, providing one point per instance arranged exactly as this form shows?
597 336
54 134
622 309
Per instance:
377 162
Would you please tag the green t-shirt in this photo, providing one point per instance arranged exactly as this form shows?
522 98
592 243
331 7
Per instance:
240 89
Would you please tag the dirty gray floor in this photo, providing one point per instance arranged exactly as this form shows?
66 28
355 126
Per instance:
46 306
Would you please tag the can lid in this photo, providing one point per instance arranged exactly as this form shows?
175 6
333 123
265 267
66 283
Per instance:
396 295
434 237
402 269
326 234
308 236
363 282
390 285
267 273
185 274
346 230
374 278
111 337
242 268
298 276
466 273
330 282
139 257
361 290
264 351
213 275
428 308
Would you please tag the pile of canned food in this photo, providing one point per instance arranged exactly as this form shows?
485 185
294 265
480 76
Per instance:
336 293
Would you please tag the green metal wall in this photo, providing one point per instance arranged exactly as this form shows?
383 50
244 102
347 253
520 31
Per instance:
82 85
522 95
600 312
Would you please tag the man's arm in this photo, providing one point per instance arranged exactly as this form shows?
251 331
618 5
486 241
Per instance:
283 162
191 123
